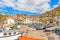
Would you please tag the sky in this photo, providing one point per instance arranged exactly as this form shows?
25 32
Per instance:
29 7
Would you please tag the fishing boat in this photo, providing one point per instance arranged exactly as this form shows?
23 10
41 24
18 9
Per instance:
9 34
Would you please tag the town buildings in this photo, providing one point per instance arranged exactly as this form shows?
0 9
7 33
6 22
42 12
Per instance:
58 20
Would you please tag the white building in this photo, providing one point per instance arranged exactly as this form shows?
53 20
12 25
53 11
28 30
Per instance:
58 20
9 21
18 26
28 21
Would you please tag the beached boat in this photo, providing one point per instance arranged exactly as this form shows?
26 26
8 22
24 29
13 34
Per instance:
29 38
10 35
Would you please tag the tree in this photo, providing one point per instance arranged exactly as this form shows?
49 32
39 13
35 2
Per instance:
13 27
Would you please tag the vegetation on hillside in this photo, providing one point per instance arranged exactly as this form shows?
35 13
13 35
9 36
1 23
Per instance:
50 15
3 17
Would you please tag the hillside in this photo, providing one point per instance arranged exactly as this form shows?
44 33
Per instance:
54 12
50 15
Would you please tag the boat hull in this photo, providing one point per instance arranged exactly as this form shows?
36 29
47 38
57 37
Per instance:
15 37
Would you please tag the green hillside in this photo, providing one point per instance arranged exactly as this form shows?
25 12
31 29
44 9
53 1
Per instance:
54 12
50 15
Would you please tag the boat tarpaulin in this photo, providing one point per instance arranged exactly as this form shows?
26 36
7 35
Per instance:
29 38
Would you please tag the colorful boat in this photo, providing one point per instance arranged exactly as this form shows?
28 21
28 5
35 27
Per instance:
10 35
29 38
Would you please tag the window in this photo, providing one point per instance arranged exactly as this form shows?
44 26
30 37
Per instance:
9 33
14 32
5 33
0 30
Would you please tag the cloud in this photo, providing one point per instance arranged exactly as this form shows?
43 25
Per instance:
27 5
59 2
55 6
